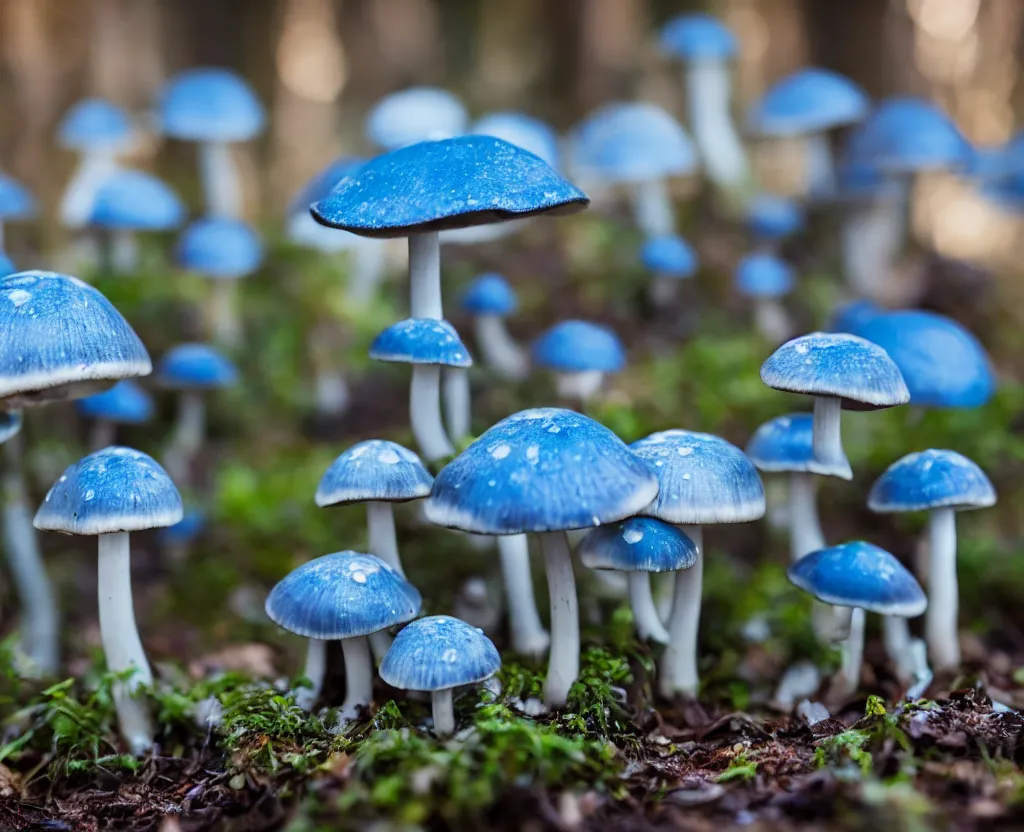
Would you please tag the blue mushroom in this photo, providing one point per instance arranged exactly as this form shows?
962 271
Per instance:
16 203
10 424
110 494
416 114
579 353
772 218
346 596
523 131
428 344
544 471
215 108
839 370
765 278
489 300
378 473
702 480
707 49
177 539
639 546
941 483
670 259
909 135
853 316
863 578
125 403
61 339
436 654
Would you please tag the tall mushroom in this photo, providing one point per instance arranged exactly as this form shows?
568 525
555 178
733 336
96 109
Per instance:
702 480
110 494
415 114
671 260
579 353
544 471
126 403
489 300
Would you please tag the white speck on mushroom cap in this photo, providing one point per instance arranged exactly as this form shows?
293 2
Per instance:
388 457
19 297
501 451
632 535
802 349
450 656
532 453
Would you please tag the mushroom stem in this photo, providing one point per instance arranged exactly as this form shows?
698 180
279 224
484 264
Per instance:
367 259
457 403
772 320
499 350
225 327
80 194
852 655
564 659
529 637
820 170
899 647
663 289
707 98
652 208
119 634
425 412
314 670
358 676
102 434
383 541
221 188
679 664
189 433
827 438
940 623
380 643
831 624
425 276
805 535
645 614
124 251
444 712
871 237
580 387
40 624
330 391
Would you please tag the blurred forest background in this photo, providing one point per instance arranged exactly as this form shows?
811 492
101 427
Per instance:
319 65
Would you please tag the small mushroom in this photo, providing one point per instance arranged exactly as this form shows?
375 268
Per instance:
671 260
126 403
839 370
437 654
862 578
345 596
579 353
941 483
415 114
110 494
489 300
766 279
770 219
16 203
639 546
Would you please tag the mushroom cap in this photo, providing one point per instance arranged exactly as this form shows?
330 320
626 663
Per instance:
209 105
853 316
185 530
16 203
784 444
421 341
697 37
323 182
837 364
522 130
453 183
196 367
416 114
306 231
908 135
136 201
437 653
632 142
763 275
579 347
489 294
702 479
126 402
113 490
860 574
942 363
541 470
10 424
374 470
773 217
639 544
343 595
809 101
58 337
929 480
220 247
94 124
669 255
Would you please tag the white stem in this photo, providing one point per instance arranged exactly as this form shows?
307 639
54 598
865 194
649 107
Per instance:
663 289
645 615
652 208
580 387
805 535
458 403
679 664
852 655
102 434
358 676
564 659
831 624
383 540
498 349
899 647
820 170
664 592
772 321
940 624
827 437
189 434
119 634
221 186
330 391
443 711
871 238
425 412
380 643
315 671
529 638
124 251
225 325
79 198
707 97
425 276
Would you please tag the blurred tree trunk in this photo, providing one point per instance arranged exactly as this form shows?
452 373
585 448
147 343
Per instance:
848 38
